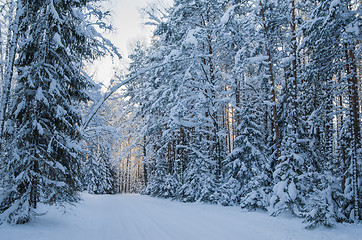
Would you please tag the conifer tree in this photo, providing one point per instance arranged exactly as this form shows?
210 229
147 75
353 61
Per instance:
263 106
42 159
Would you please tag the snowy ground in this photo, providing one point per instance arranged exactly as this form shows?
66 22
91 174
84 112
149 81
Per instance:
136 217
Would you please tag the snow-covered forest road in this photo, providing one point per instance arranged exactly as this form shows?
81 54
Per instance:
137 217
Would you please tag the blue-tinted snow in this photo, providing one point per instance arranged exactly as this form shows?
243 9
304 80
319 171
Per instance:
136 217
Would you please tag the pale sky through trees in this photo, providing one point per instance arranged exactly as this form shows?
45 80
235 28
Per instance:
128 24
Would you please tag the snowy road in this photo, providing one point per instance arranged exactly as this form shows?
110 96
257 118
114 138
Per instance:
136 217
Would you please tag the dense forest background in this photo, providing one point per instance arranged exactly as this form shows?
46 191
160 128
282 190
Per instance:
253 103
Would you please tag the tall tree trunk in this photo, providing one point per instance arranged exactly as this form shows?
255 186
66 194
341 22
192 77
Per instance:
34 186
2 60
145 165
126 175
272 84
129 174
238 106
294 65
354 113
342 146
9 71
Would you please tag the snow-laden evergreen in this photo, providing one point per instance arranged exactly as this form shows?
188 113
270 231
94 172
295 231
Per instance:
250 103
254 103
41 160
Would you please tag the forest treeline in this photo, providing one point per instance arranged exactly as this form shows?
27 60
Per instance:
253 103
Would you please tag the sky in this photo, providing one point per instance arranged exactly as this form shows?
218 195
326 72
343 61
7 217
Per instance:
128 27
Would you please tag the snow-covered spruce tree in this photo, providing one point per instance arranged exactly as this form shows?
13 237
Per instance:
350 14
99 174
42 159
290 176
247 163
204 97
188 85
269 21
145 120
319 86
159 87
132 115
330 37
164 126
255 93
